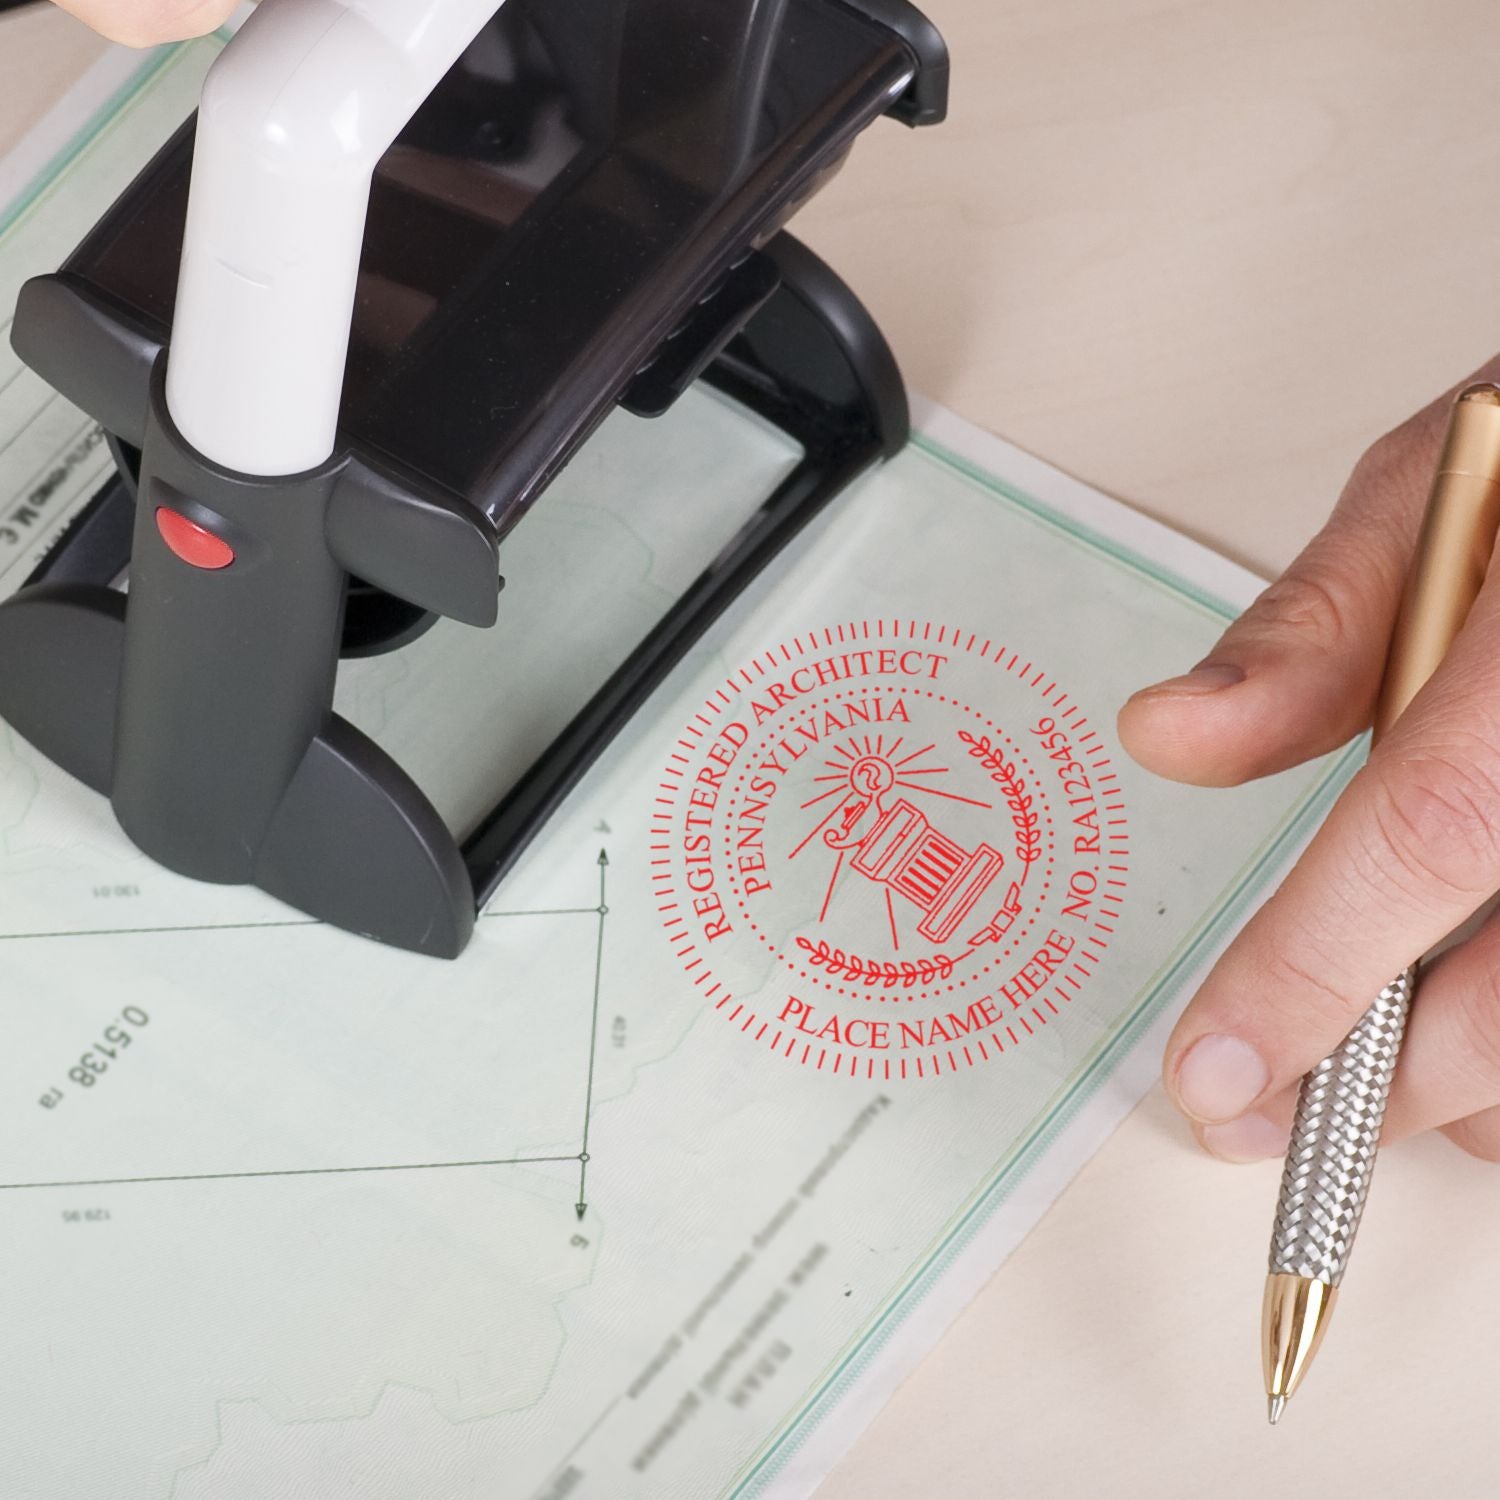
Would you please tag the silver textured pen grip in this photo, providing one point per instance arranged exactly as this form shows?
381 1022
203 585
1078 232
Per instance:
1334 1139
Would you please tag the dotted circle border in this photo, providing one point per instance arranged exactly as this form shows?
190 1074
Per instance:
934 1061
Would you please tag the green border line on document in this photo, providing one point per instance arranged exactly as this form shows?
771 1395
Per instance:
102 119
762 1470
1115 552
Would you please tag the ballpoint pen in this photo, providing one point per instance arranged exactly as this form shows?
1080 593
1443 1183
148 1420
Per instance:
1341 1106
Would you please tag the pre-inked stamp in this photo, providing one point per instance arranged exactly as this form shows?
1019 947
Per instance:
890 849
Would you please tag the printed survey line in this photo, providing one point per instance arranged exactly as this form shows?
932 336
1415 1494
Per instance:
402 1166
599 911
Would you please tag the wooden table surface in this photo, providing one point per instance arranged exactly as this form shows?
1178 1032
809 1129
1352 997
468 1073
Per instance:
1198 254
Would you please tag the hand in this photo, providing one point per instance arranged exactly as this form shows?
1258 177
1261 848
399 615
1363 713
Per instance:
146 23
1410 851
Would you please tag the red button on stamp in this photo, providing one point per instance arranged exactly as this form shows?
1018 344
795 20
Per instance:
196 545
890 848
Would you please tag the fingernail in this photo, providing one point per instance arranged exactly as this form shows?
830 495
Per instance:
1220 1078
1250 1138
1210 677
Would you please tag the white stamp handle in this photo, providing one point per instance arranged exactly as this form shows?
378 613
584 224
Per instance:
295 114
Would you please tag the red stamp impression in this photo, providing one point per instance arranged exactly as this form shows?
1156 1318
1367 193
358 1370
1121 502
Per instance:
890 849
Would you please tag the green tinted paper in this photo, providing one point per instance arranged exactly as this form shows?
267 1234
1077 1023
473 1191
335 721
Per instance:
785 1031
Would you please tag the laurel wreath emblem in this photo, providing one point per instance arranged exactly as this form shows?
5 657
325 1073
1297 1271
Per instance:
872 971
1017 799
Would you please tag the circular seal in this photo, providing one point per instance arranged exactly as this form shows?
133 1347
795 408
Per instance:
890 848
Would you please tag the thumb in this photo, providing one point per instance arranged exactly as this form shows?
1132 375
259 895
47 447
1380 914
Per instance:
1297 674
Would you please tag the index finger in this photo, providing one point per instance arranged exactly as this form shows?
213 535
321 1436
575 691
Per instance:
1409 852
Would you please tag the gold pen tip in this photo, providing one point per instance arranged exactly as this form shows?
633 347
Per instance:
1294 1317
1275 1405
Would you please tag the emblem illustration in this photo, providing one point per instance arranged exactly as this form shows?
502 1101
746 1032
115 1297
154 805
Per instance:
890 848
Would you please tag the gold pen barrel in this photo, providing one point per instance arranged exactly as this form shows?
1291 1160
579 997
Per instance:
1341 1104
1453 551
